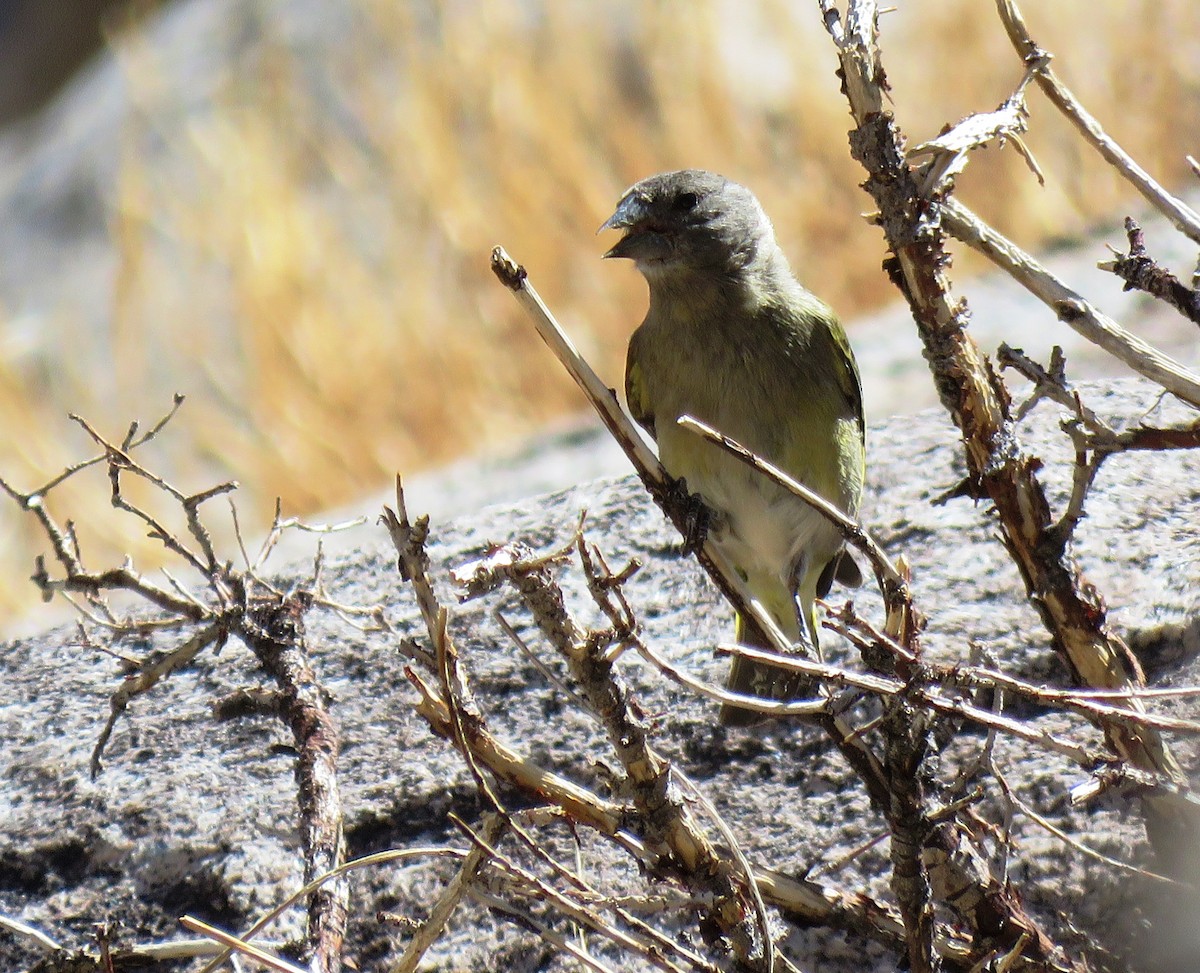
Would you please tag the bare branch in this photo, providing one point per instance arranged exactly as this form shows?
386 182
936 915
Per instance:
429 931
32 933
768 707
1140 272
128 445
623 429
366 861
527 921
1182 217
651 948
1079 846
892 584
269 623
148 676
928 697
666 817
269 960
1069 306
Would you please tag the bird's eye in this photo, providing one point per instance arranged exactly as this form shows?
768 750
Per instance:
685 202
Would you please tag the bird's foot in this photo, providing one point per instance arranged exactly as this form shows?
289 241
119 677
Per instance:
690 513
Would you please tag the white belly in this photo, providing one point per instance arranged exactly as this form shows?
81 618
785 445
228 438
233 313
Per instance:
762 528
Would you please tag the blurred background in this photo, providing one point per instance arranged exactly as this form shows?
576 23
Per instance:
284 209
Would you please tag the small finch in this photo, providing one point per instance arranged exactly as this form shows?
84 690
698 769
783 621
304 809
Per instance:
732 338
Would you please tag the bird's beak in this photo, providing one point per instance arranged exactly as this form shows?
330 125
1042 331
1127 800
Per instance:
630 211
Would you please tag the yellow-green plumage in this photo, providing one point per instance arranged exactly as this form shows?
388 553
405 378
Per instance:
733 339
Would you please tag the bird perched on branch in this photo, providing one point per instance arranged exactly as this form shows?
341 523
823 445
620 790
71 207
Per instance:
733 339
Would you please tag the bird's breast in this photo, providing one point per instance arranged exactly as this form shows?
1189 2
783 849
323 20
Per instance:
760 524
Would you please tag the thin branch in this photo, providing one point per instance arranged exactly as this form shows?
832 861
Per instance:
147 677
124 578
119 460
747 871
582 890
366 861
223 938
565 905
26 931
659 808
1075 843
429 931
1182 216
851 530
1140 272
1093 438
768 707
927 697
526 921
1069 305
1077 701
1081 701
128 445
548 674
581 804
631 439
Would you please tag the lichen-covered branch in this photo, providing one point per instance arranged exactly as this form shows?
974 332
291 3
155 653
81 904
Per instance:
274 631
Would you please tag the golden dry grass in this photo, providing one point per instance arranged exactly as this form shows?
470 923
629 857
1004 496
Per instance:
311 265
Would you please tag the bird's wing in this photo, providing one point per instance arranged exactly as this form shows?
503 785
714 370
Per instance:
846 369
843 567
636 393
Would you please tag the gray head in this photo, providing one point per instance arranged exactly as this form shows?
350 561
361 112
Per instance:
690 221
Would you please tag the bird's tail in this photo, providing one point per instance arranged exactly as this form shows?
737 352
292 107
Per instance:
755 679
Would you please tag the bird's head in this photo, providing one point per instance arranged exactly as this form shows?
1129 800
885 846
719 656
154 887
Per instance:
677 224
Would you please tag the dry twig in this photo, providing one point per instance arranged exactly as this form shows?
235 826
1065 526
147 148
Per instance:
1069 306
1183 217
1140 272
235 603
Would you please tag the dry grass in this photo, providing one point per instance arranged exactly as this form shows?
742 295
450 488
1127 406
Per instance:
309 259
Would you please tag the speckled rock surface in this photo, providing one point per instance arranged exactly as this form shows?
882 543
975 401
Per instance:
195 816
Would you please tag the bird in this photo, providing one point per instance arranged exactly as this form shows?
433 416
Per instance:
732 338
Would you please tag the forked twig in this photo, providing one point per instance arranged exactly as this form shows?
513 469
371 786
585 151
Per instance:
237 604
1182 216
1069 306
